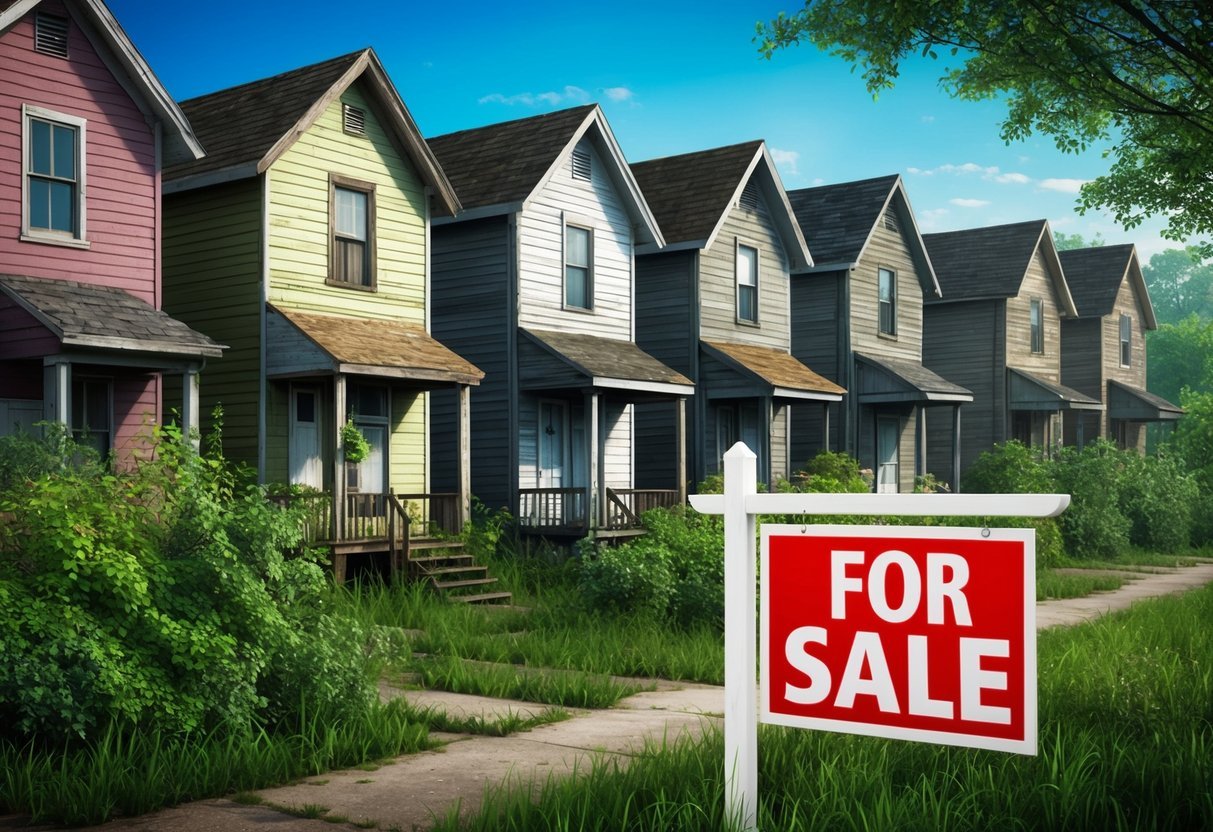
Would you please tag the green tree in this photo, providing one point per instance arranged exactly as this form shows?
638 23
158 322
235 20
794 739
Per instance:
1069 242
1179 285
1180 356
1137 74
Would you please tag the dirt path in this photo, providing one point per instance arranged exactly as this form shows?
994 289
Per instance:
409 793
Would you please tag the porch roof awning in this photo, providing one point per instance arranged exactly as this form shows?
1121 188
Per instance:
1030 392
1136 405
591 360
90 317
360 346
895 380
785 376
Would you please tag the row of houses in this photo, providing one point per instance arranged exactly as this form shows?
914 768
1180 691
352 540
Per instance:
513 311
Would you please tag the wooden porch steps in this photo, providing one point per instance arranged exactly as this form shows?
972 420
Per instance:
484 598
453 572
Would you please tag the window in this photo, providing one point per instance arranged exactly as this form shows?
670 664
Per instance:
50 34
367 407
747 284
578 268
53 185
887 300
91 414
352 214
1036 321
581 164
888 451
1126 341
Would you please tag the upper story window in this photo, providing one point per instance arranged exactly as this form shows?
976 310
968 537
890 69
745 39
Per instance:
1126 340
747 284
50 34
1036 321
578 267
352 220
887 300
53 184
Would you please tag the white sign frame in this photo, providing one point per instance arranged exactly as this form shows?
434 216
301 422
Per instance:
1026 745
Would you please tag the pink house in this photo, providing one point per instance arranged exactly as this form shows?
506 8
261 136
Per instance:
84 130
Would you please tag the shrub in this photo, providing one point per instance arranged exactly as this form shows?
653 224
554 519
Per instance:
161 596
1093 526
632 578
1159 498
1193 442
831 472
1009 468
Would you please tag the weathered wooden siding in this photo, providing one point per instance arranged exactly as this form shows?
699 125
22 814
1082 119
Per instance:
964 342
299 220
212 281
134 397
815 323
1037 283
24 336
596 205
122 183
718 281
470 314
888 250
617 452
779 441
407 469
278 428
1082 369
1127 303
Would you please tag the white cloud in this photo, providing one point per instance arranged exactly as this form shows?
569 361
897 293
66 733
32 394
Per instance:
619 93
960 202
989 172
927 119
1065 186
929 220
817 181
569 95
1012 179
786 159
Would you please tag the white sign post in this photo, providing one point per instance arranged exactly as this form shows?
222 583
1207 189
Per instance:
740 504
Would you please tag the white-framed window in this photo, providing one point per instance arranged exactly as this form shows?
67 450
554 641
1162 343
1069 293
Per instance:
886 280
747 284
352 237
1126 340
1036 322
367 406
53 176
578 267
93 413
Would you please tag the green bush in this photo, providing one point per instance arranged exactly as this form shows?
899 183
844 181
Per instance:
1009 468
1193 442
633 578
831 472
1159 498
1094 525
161 595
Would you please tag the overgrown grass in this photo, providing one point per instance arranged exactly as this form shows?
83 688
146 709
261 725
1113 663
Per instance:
1053 584
131 773
500 726
568 688
1126 742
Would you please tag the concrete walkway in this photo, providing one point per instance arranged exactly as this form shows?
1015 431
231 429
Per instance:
410 792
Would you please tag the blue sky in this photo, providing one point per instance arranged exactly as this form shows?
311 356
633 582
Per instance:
672 77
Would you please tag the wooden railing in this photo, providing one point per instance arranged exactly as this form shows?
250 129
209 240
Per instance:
317 514
368 516
398 535
552 508
433 514
626 505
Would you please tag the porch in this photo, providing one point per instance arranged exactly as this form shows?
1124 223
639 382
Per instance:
564 512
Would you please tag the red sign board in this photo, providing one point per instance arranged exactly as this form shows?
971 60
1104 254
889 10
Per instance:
905 632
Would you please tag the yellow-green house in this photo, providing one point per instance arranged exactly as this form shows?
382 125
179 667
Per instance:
302 240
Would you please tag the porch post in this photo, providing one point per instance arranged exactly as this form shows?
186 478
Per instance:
465 454
680 443
190 425
956 449
768 463
920 441
593 488
338 465
57 401
825 426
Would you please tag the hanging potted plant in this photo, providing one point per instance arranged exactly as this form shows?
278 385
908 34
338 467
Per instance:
356 447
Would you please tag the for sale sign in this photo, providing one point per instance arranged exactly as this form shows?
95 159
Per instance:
904 632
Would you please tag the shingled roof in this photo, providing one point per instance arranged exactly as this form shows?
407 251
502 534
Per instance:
247 127
691 194
776 368
1095 275
991 262
101 317
899 379
606 358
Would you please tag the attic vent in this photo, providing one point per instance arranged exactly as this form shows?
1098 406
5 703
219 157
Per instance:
581 164
50 34
353 119
749 197
890 220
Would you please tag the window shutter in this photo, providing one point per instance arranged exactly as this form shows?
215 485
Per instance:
353 119
581 164
890 219
749 197
50 34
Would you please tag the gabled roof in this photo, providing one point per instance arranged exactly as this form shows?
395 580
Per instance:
838 222
902 380
88 316
605 362
1095 275
692 193
783 372
1029 391
498 168
992 262
246 128
1134 404
128 65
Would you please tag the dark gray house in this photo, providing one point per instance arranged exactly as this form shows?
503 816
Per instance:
714 305
996 329
857 317
1103 348
534 282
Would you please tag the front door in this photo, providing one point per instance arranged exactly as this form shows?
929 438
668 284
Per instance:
888 441
553 444
306 466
